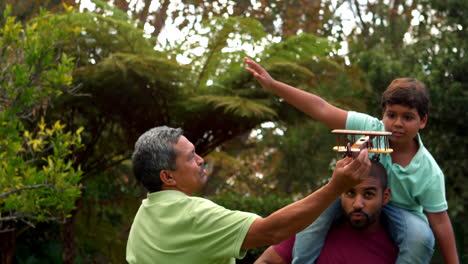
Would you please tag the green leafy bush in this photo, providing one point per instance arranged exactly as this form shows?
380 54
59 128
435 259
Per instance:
39 181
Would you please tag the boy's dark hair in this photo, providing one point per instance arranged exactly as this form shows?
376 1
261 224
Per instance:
408 92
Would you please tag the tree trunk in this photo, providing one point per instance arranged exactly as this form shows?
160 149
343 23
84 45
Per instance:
160 19
7 242
68 241
67 235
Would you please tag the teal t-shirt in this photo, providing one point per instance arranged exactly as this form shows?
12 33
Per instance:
172 227
419 187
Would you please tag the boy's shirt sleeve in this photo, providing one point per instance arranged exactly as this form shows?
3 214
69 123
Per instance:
432 197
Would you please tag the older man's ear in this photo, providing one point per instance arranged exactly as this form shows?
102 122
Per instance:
167 178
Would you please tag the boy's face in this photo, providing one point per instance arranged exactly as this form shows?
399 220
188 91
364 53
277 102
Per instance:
404 123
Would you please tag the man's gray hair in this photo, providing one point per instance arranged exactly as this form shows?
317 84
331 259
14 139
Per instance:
154 151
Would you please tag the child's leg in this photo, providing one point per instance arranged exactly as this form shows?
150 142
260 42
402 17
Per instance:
310 241
411 233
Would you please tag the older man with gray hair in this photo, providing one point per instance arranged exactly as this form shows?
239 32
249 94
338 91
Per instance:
173 226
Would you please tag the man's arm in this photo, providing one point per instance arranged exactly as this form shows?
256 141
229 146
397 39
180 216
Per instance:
270 256
295 217
312 105
443 232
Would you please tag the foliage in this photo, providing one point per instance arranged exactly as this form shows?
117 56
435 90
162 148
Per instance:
132 87
151 88
283 18
109 49
109 204
38 180
40 245
25 10
436 55
300 161
278 158
137 88
446 62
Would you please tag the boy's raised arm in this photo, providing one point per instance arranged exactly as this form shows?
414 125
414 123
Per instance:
312 105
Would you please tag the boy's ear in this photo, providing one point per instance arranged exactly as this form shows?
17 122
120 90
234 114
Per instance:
423 122
166 178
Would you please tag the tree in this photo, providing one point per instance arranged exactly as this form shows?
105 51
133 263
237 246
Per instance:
151 87
38 180
379 48
24 10
444 59
282 18
425 40
137 88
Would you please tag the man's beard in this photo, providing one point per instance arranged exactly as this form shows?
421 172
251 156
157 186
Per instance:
359 224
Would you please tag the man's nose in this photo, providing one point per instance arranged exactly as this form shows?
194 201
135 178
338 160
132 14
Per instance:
358 202
200 160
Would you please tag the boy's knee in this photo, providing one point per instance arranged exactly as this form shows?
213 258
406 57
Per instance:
420 236
419 245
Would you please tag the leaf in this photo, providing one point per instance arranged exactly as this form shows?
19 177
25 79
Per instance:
242 107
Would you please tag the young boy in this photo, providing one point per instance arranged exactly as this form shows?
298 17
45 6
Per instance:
418 209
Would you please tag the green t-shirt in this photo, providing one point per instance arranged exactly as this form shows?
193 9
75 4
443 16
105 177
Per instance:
418 187
172 227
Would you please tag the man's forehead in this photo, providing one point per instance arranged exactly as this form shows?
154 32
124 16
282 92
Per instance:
183 145
368 183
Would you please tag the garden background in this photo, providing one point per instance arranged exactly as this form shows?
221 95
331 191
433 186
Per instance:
81 80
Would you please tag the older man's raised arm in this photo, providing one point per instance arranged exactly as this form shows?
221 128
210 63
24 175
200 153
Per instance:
295 217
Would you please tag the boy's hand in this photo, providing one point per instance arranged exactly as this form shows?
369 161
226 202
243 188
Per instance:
259 73
349 172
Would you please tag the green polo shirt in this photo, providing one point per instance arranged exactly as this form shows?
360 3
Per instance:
172 227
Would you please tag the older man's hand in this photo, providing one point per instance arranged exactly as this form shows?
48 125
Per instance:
349 172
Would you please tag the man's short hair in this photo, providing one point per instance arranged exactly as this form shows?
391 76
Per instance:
154 151
408 92
378 172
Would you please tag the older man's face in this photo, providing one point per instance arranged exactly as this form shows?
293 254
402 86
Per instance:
189 174
363 203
